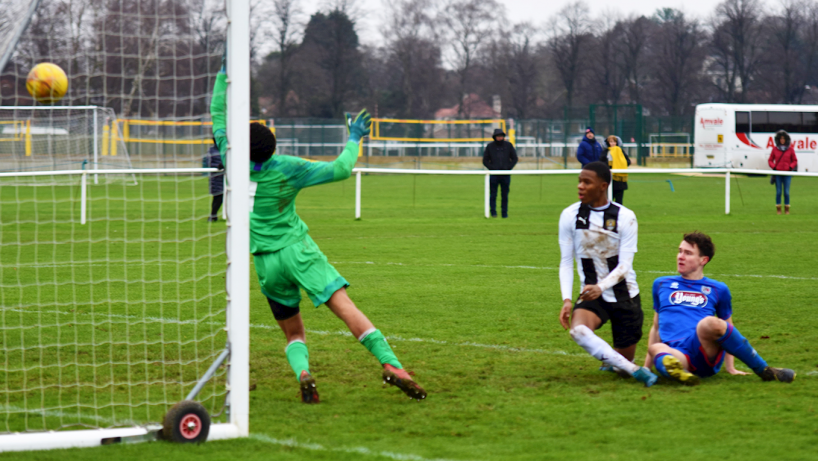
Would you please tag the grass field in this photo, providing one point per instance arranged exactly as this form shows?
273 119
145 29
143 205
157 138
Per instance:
470 305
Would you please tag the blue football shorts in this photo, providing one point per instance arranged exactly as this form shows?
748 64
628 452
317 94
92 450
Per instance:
698 362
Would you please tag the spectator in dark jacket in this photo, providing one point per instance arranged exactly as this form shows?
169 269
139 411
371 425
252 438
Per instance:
589 149
783 158
213 159
499 155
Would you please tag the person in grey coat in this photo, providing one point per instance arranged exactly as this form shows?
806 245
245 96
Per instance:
213 159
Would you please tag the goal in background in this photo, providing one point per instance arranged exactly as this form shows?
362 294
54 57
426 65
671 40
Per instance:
670 145
53 138
451 138
116 298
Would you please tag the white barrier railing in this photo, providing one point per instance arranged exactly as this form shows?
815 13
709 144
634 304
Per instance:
358 176
725 171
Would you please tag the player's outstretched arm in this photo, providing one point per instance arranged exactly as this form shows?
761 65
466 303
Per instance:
315 173
218 112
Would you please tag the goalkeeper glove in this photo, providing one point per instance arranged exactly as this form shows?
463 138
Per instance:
359 127
224 59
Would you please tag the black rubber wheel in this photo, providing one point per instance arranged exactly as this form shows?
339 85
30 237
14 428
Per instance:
186 422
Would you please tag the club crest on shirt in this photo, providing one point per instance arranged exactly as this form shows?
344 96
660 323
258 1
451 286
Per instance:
706 290
610 224
690 298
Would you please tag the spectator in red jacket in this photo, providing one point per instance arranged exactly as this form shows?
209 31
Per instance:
782 158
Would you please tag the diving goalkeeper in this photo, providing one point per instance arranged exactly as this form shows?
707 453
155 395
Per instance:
287 259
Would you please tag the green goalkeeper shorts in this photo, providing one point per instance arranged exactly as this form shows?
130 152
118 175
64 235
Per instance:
283 273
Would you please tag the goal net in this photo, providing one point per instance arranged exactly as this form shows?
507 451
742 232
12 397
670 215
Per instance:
119 297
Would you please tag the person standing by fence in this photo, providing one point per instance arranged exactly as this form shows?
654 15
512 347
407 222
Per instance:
617 160
499 155
782 158
213 159
589 149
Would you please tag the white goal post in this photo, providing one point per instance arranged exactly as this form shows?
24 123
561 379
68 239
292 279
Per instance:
108 323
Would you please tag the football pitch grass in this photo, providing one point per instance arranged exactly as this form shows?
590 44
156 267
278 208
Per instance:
470 306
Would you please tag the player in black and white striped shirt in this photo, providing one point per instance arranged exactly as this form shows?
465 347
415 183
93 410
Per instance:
601 236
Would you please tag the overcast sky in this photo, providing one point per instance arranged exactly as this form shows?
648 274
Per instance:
538 12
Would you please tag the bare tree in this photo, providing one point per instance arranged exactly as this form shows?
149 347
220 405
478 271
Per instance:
677 59
469 24
810 34
633 47
737 47
611 76
785 67
285 24
571 31
410 34
524 70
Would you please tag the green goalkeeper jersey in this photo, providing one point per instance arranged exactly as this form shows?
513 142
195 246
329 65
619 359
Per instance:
274 184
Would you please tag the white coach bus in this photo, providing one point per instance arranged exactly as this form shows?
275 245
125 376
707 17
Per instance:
741 135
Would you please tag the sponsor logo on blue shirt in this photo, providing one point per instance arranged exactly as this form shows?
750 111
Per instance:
690 298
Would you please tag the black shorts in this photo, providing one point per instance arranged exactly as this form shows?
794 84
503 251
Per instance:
626 318
282 312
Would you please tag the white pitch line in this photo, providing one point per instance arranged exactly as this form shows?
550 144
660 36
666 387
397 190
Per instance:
292 443
546 268
487 266
261 326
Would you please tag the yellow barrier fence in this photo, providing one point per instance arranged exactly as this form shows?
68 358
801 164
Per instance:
378 136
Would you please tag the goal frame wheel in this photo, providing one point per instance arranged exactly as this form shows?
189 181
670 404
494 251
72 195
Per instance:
186 422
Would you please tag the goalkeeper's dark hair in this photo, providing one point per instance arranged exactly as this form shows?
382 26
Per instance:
703 242
262 143
601 169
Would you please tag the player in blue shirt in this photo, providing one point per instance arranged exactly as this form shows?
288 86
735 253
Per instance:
693 333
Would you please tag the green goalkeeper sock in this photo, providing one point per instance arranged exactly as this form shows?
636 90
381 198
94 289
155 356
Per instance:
374 341
298 357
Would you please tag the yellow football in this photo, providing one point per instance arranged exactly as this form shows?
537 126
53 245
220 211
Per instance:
47 83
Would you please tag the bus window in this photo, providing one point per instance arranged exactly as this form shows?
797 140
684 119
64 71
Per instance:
759 122
789 121
742 122
810 123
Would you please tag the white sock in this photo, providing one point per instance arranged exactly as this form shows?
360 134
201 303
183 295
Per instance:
366 333
600 350
293 341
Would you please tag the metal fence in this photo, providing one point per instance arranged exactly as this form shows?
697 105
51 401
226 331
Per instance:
540 143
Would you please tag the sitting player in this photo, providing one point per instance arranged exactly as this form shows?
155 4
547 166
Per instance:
287 259
693 333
